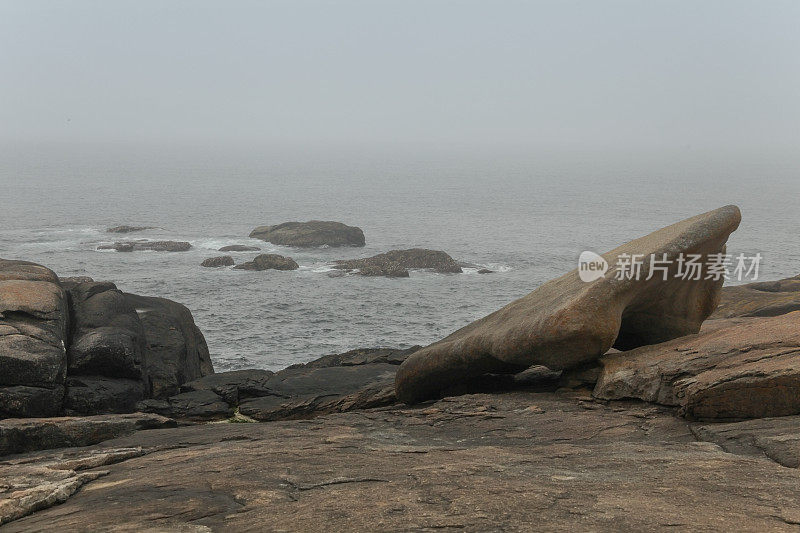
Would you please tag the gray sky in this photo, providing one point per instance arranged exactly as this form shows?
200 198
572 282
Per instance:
719 74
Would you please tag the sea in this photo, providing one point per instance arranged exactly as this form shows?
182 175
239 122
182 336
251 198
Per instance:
526 214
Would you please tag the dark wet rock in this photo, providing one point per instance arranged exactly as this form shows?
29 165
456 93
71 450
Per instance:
215 262
175 350
21 401
155 246
364 356
306 391
233 386
313 233
567 323
107 337
239 248
734 368
92 395
128 229
19 435
485 271
269 262
196 405
764 298
397 262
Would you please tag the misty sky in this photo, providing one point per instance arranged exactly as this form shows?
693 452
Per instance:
558 73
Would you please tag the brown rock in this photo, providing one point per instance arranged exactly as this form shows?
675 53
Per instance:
766 298
566 322
269 262
507 462
735 368
313 233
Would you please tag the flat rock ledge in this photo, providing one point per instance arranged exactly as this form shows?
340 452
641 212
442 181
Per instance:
481 462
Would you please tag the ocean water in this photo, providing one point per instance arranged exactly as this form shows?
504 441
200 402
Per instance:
526 216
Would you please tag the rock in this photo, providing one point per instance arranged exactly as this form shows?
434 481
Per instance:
21 401
397 262
239 248
485 271
33 334
233 386
156 246
221 261
128 229
364 356
735 368
267 262
767 298
461 464
776 438
175 349
72 281
196 405
92 395
107 371
567 323
24 270
18 435
301 392
313 233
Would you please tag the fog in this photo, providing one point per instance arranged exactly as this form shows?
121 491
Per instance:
616 75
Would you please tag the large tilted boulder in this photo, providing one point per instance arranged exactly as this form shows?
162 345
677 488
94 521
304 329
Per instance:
34 325
567 322
763 298
312 233
396 263
733 369
269 262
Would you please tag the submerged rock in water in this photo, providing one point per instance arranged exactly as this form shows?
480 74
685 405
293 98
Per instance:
567 322
215 262
239 248
396 263
128 229
312 233
734 368
155 246
268 262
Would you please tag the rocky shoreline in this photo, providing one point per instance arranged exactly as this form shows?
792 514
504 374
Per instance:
616 404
